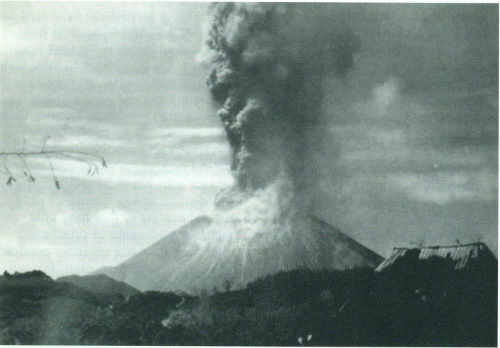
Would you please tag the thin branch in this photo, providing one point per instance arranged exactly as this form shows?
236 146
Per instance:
11 178
7 170
62 153
56 181
27 170
76 158
92 166
6 167
90 159
51 152
47 137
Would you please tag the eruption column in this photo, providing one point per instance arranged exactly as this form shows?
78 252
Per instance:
268 63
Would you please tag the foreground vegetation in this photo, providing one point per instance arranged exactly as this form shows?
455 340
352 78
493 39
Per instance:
430 305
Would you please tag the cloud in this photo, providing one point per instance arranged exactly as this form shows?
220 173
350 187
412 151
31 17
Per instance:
106 62
208 149
386 94
111 136
446 187
54 120
189 142
108 217
75 141
15 41
63 218
183 132
179 145
385 101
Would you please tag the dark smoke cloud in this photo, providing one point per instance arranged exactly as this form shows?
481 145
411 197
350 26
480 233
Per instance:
268 64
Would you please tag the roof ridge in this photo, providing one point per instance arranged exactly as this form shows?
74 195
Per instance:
441 246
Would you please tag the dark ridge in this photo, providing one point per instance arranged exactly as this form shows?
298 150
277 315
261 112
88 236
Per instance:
429 305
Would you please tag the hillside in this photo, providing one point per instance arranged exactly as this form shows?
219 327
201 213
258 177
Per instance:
433 305
35 309
100 285
202 255
36 285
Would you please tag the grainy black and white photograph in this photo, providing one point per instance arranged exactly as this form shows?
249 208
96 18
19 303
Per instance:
248 174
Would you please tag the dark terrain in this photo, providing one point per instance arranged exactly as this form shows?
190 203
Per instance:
428 303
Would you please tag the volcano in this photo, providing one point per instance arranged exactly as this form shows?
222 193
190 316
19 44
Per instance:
267 67
202 256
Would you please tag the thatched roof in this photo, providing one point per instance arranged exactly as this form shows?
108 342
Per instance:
462 255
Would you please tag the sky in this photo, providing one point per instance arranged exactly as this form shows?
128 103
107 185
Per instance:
414 129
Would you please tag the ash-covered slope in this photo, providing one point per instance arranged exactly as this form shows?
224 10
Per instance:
203 255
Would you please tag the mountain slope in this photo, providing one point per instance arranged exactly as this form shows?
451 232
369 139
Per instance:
36 285
35 309
204 254
100 285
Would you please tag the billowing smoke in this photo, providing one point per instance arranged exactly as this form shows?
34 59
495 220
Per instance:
268 66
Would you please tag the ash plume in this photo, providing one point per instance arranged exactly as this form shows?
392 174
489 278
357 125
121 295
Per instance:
268 63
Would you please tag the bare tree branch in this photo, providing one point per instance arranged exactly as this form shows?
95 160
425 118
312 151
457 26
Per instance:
93 161
27 171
